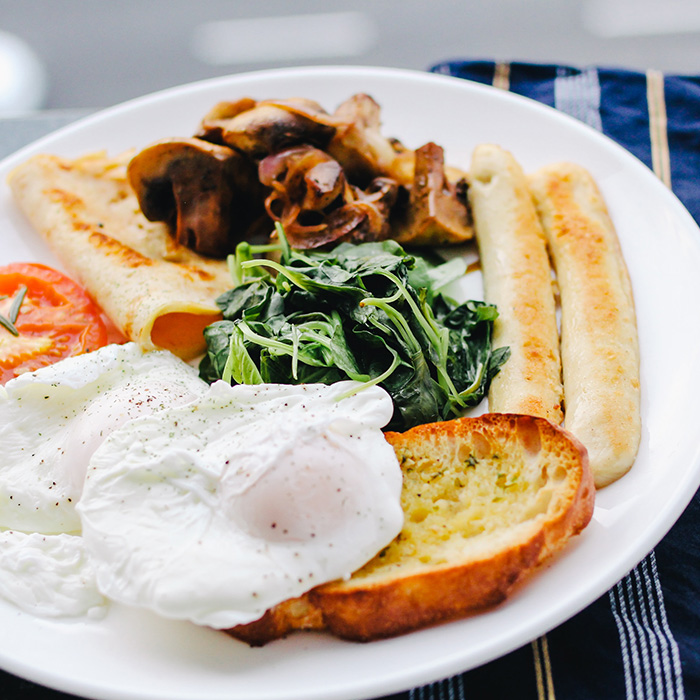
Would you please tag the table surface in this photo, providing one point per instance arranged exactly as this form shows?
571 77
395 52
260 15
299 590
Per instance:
20 130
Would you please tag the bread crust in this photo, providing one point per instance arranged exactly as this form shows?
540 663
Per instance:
518 280
397 592
599 345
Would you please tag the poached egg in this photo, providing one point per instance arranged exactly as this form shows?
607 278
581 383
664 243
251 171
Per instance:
52 420
49 575
125 477
217 510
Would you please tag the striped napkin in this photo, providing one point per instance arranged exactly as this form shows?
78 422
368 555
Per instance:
641 641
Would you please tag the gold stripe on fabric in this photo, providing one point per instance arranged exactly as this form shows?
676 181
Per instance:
658 123
543 669
547 667
539 680
501 75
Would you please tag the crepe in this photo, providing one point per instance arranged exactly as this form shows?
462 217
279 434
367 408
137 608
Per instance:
157 292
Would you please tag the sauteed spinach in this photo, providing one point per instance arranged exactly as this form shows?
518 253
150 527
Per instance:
368 312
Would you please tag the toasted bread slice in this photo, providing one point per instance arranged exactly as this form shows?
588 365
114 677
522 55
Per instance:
486 500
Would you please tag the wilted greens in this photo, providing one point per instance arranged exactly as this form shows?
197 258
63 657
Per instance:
368 312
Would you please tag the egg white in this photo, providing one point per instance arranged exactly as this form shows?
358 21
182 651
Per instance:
49 575
217 510
52 420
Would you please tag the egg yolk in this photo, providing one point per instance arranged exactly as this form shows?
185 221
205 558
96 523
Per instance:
306 493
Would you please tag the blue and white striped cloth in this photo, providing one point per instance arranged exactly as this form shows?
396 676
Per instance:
641 641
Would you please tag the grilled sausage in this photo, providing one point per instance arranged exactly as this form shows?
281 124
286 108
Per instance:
518 280
599 345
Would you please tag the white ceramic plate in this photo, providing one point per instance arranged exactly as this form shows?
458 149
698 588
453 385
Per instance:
133 655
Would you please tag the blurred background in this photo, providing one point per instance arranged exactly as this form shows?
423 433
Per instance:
88 54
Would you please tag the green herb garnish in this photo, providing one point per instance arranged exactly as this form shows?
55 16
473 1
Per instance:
8 322
17 303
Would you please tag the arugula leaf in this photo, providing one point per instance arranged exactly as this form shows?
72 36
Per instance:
240 366
368 312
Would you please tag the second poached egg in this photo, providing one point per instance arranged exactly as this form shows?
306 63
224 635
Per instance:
219 509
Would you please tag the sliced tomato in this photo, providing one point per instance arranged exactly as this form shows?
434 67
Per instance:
56 319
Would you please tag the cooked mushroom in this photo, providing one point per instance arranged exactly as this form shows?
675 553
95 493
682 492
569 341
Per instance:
302 177
260 128
191 185
304 182
365 217
360 147
311 197
228 110
436 212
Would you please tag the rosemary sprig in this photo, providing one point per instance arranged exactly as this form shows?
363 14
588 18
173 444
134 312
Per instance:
17 303
8 322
